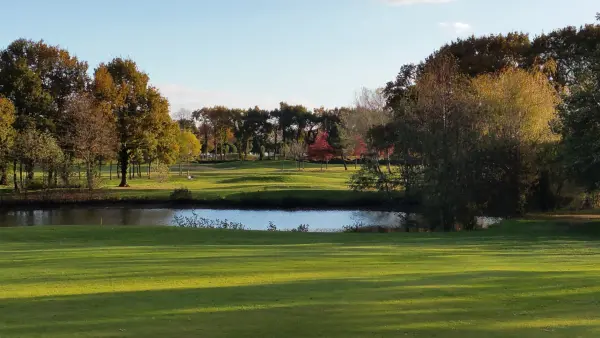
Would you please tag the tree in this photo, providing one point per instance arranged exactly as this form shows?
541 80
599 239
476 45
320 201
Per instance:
297 150
372 111
186 121
140 111
189 148
517 107
487 54
579 116
7 135
570 52
321 150
94 132
218 121
31 148
38 79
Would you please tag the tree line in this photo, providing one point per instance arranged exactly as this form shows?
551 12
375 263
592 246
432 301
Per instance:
498 123
53 114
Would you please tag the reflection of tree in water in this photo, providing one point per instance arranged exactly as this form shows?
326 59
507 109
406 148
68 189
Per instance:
377 218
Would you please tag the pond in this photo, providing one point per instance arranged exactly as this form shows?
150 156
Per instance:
317 220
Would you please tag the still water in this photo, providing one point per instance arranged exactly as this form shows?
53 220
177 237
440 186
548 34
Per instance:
318 220
252 219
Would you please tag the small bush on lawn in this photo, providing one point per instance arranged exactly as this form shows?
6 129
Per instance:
181 194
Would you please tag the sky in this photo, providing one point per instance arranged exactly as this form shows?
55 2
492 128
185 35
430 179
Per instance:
243 53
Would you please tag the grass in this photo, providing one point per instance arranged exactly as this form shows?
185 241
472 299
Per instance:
520 279
255 182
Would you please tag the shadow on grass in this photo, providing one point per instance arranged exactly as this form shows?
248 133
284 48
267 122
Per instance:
471 304
278 198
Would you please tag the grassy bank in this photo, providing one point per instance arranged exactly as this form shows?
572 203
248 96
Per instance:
520 279
258 184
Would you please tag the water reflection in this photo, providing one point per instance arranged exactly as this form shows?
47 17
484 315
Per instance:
318 220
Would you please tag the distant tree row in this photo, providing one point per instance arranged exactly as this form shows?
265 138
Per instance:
287 132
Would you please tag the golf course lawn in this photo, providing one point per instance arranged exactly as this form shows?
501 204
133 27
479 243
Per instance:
269 183
519 279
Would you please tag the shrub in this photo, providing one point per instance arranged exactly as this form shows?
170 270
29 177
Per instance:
197 222
161 172
301 228
181 194
272 227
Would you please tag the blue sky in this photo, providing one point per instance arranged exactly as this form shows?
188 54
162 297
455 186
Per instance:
242 53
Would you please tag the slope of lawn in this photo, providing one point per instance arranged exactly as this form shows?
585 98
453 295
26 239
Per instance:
519 279
223 180
262 182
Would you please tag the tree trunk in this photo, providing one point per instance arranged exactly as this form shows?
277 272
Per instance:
140 170
15 176
50 177
180 170
3 175
110 171
118 172
79 172
215 144
123 161
387 158
30 175
355 163
88 174
99 168
21 173
344 160
149 168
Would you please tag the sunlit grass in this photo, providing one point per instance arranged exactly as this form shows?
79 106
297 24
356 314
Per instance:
269 182
171 282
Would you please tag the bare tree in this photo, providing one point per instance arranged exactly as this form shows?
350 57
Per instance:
298 150
370 111
94 131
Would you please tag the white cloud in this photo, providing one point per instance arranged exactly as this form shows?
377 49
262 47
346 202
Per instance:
415 2
182 97
458 28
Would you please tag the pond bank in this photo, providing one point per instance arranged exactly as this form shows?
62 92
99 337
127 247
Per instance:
247 201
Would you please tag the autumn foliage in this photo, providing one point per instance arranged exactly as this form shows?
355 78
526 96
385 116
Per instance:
321 150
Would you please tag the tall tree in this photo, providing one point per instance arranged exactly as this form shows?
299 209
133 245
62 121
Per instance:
189 148
39 78
580 126
219 118
7 135
571 50
487 54
94 132
139 110
518 108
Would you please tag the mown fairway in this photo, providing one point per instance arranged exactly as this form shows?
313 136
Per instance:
233 179
268 181
519 280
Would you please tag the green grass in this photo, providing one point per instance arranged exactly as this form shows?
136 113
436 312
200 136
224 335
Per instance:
519 279
244 181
